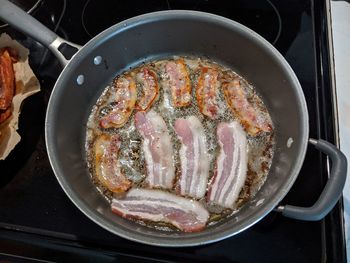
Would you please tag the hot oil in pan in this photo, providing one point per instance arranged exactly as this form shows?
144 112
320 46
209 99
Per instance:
132 159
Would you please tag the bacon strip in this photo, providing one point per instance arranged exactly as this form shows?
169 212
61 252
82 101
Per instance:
7 78
5 114
107 166
194 157
157 147
158 206
125 99
179 83
206 92
148 80
252 119
231 167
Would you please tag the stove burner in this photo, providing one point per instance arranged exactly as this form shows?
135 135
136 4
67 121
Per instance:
254 15
279 22
56 21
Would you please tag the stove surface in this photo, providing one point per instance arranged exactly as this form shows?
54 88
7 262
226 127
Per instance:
34 209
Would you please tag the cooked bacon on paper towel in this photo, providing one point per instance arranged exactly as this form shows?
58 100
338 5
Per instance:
8 56
158 149
5 114
194 157
231 165
160 206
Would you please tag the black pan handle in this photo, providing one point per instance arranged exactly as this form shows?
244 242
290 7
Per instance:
332 191
28 25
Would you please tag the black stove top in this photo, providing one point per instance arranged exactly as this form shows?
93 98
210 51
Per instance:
38 221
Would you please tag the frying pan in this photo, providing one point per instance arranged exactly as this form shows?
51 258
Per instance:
159 35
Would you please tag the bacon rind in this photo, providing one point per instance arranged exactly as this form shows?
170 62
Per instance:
193 156
7 78
206 92
157 147
179 82
160 206
126 96
231 166
251 118
107 167
150 89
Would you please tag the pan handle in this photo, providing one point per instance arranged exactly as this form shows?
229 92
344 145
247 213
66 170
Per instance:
28 25
331 192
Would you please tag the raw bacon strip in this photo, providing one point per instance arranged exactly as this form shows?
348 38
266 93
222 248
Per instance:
231 167
125 98
148 80
252 119
158 206
179 83
107 166
194 157
157 148
7 77
206 92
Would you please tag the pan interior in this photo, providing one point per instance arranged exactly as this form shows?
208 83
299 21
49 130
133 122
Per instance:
160 35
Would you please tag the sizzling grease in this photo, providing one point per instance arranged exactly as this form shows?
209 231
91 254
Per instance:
260 149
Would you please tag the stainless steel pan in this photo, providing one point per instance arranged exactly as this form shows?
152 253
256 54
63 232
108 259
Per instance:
162 34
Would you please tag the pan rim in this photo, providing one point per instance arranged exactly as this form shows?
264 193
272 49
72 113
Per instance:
191 241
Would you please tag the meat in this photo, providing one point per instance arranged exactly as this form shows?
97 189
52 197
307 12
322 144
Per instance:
157 147
159 206
206 92
231 166
189 138
107 167
193 156
7 81
123 105
252 118
148 81
5 114
178 82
